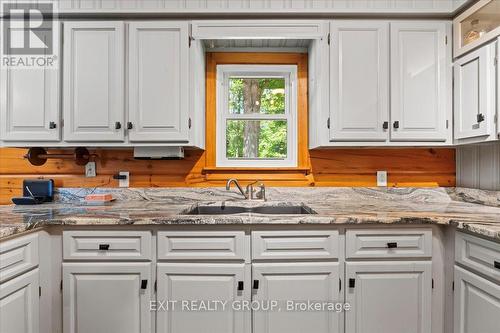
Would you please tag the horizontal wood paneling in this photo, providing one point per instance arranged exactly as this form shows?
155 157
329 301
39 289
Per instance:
330 167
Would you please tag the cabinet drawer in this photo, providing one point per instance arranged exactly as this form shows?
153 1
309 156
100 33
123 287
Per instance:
17 256
202 245
305 244
398 243
478 254
107 245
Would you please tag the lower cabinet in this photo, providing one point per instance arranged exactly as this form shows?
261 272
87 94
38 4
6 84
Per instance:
19 300
107 297
477 303
389 297
202 297
297 283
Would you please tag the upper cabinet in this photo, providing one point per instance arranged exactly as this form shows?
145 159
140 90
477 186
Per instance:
474 91
410 61
418 81
359 71
29 102
158 88
476 26
93 81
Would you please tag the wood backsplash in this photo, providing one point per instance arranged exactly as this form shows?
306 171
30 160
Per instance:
417 167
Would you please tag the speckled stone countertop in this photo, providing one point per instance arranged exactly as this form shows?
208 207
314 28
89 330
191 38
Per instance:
472 210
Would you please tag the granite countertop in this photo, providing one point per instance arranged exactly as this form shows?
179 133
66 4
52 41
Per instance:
472 210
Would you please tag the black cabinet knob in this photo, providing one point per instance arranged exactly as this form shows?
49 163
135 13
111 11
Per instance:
52 125
396 124
385 125
144 284
240 285
392 245
130 125
496 264
103 247
118 125
480 118
255 284
352 283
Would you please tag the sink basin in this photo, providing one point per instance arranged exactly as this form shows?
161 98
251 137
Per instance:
272 210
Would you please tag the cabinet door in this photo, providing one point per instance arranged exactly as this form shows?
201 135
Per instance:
359 65
19 302
29 104
296 282
107 297
476 303
158 81
93 81
388 297
210 283
420 68
474 91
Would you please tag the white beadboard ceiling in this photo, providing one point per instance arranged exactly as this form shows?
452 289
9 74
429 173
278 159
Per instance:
202 7
256 43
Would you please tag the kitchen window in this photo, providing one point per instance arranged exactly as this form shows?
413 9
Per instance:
256 116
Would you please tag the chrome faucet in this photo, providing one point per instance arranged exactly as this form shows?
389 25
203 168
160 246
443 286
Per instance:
249 193
235 181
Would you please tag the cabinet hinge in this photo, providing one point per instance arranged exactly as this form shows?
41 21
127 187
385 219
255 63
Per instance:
328 123
432 283
495 61
340 284
329 38
156 285
39 291
190 39
61 285
446 40
453 286
447 123
189 122
62 122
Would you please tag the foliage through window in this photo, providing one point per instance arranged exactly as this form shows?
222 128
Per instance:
256 115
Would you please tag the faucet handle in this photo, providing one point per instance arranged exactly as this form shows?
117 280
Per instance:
262 192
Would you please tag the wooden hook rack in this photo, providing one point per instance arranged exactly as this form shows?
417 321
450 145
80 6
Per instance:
39 156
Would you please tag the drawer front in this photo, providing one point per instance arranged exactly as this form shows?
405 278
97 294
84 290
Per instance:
202 245
17 256
322 244
478 254
107 245
399 243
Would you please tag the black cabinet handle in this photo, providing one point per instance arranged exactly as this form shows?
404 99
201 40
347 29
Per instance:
480 117
352 283
130 125
240 285
118 125
496 264
255 284
392 245
396 124
385 125
52 125
144 284
103 247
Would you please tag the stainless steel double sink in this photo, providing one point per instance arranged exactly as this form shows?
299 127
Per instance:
286 209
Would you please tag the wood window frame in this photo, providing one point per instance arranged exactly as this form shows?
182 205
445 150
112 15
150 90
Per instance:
252 58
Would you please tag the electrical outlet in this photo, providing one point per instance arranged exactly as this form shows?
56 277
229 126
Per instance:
381 178
124 182
90 169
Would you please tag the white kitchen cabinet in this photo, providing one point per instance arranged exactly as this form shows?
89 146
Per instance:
389 297
19 304
420 60
29 103
474 91
107 297
476 303
93 80
359 80
186 284
158 82
298 282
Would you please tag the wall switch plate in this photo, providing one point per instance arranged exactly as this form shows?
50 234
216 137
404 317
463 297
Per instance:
124 182
90 169
381 178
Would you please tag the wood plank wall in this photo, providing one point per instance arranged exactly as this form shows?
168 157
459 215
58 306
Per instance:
419 167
